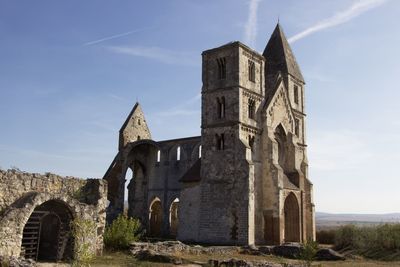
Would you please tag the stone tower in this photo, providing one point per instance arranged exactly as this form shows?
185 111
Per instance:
232 93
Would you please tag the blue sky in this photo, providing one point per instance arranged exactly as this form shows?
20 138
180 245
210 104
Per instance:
70 72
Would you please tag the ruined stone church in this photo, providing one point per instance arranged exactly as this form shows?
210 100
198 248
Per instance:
245 180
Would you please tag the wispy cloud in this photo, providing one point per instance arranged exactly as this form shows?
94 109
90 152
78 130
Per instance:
251 25
359 7
159 54
184 109
113 37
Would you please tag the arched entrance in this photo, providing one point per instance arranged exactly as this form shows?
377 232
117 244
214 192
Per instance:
292 219
47 233
156 218
136 191
173 217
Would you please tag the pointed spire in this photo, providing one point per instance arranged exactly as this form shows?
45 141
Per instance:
279 56
134 128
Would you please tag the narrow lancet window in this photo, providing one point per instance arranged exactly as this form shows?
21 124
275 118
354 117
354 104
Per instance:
158 155
220 138
251 108
296 94
296 127
178 153
252 71
200 151
221 107
221 68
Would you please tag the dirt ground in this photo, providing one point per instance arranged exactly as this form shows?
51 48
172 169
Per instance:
125 260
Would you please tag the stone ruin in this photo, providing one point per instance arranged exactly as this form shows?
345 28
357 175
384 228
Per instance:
36 212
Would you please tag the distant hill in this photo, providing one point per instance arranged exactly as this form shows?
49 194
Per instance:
329 220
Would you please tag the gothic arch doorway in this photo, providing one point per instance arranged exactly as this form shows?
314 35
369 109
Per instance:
156 218
292 219
173 217
47 233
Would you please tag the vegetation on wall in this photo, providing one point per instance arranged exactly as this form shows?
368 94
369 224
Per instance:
84 233
122 232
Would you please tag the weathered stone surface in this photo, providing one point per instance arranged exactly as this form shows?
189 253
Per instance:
291 251
327 254
22 193
16 262
253 250
153 256
170 247
243 263
252 186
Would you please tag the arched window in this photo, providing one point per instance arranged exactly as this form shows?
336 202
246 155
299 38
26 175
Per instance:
158 155
252 71
296 94
221 107
200 151
178 153
220 141
251 108
221 68
296 126
138 137
128 179
173 217
280 137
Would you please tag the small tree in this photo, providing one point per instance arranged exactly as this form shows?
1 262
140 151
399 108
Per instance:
308 252
122 232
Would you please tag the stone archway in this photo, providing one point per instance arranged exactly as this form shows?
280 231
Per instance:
173 217
136 191
155 218
47 233
292 219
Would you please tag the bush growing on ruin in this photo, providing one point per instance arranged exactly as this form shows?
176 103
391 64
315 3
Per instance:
308 252
122 232
84 233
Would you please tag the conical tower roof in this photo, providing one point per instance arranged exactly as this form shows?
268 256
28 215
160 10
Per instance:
279 56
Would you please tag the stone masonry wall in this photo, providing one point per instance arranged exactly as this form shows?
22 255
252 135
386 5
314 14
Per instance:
21 193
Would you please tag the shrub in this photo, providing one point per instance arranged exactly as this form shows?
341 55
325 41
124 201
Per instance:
326 236
84 233
347 237
308 252
122 232
380 242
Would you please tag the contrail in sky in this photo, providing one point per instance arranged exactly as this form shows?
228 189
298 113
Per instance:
113 37
358 8
251 25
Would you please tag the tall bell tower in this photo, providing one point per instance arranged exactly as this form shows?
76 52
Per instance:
232 94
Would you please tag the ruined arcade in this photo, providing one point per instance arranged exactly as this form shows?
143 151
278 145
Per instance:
245 179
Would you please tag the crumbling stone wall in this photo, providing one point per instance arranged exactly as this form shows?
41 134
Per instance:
156 173
21 193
